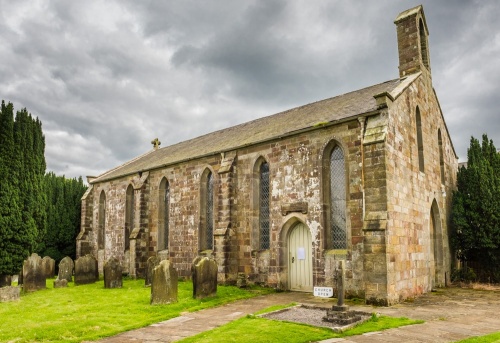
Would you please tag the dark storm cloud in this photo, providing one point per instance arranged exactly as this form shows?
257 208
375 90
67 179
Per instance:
106 78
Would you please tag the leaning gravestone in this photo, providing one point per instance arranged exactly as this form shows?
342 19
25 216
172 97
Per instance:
49 267
204 277
152 263
165 284
33 274
86 270
66 267
112 274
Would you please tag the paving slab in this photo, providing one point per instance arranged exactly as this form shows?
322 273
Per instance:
450 314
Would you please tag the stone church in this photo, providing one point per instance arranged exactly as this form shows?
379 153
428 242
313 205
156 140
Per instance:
365 178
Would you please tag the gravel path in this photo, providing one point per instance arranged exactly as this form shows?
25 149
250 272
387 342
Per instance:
305 315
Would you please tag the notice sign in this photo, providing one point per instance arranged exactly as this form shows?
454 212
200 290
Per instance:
301 254
324 292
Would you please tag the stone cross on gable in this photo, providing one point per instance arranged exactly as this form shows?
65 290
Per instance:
156 143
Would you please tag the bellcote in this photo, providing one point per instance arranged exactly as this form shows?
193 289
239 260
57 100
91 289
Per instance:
413 44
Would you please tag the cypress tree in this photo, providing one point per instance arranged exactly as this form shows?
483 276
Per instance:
15 241
476 209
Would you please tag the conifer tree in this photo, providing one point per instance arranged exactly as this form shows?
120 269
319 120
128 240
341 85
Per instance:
476 209
15 238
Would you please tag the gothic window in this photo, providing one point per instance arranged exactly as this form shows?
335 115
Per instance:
206 239
334 178
129 215
441 156
101 221
264 239
163 214
420 142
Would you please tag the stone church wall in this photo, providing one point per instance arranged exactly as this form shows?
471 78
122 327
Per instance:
410 252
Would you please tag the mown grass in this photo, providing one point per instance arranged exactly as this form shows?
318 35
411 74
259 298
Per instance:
255 329
491 338
89 312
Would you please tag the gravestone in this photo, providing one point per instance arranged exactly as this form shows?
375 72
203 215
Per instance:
164 284
9 293
33 274
204 272
5 280
49 267
86 270
60 283
152 263
112 274
66 267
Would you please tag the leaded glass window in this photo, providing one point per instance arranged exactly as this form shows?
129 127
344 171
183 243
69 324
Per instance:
337 200
129 215
163 214
209 215
101 221
264 206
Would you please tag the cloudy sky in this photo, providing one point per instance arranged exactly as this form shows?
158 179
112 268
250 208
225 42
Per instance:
106 77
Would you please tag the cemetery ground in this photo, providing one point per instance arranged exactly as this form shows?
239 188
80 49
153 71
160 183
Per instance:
89 312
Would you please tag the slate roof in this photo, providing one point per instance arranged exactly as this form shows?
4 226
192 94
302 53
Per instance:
256 131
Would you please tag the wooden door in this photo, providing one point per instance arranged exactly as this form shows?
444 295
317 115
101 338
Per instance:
300 259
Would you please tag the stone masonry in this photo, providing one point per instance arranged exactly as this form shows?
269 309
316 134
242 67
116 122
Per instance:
396 214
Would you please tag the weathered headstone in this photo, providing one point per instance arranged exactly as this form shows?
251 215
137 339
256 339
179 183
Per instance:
49 267
5 280
60 283
165 283
112 274
66 267
152 263
9 293
204 272
33 274
86 270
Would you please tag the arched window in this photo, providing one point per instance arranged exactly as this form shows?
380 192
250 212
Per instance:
264 232
102 221
441 156
129 215
423 44
163 214
420 142
334 178
206 234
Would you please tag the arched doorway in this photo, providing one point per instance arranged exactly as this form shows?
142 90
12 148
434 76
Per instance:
437 277
300 259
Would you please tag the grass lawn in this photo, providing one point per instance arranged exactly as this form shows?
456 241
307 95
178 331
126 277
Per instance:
89 312
491 338
255 329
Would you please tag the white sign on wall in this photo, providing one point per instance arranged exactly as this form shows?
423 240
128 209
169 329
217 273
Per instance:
301 254
324 292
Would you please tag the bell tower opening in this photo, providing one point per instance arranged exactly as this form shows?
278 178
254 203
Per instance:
413 46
